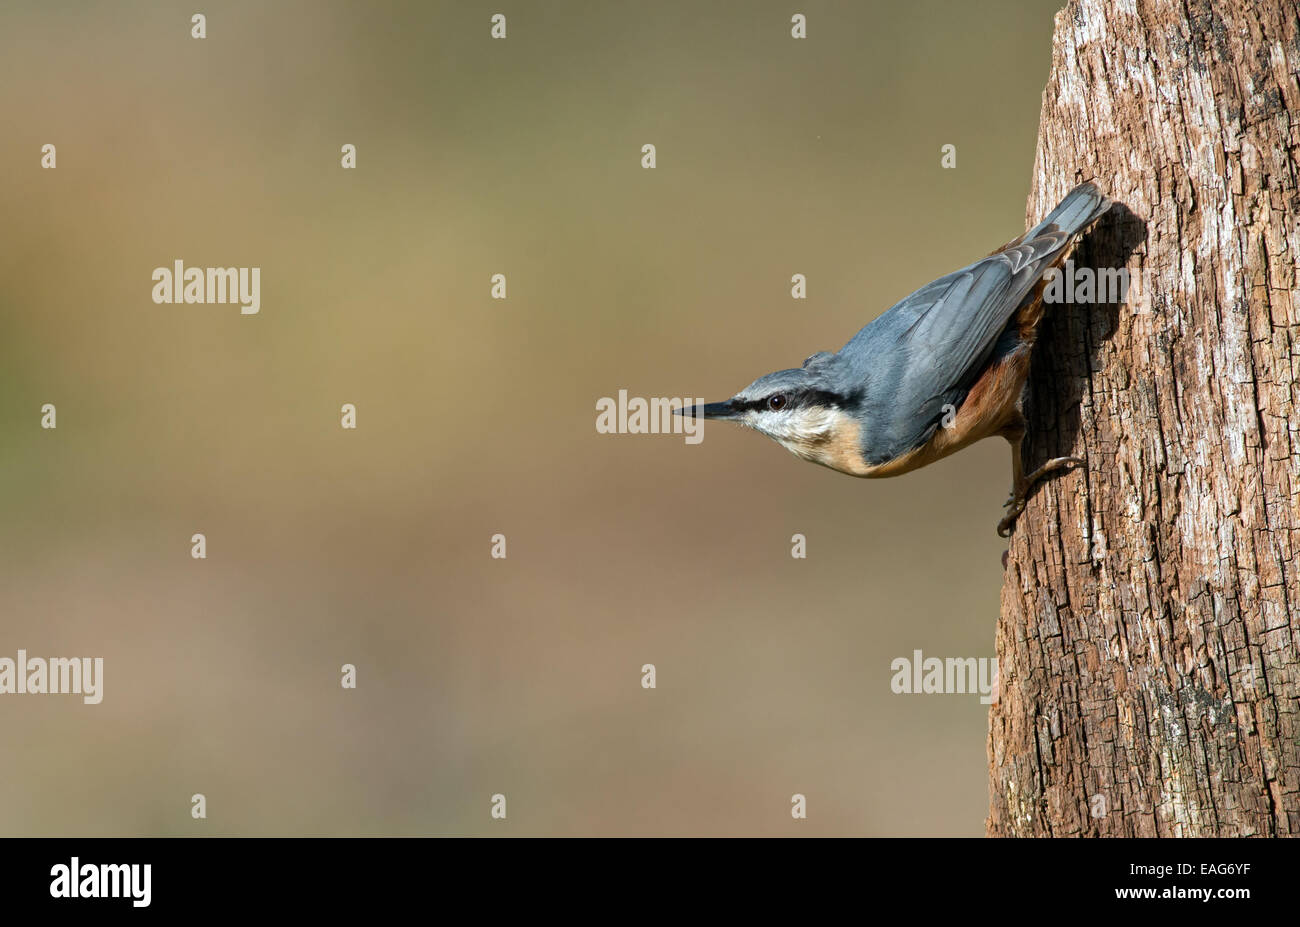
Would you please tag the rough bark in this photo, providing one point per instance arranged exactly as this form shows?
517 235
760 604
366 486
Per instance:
1151 602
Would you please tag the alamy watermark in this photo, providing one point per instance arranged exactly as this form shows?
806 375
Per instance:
53 676
922 675
181 284
1070 284
637 415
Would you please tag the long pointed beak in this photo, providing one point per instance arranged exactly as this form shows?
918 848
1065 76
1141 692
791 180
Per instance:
718 410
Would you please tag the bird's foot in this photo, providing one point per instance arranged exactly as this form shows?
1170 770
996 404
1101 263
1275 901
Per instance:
1020 495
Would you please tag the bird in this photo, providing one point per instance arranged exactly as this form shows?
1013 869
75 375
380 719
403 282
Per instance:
943 368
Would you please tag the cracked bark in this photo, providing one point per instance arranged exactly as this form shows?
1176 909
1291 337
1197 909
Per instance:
1151 603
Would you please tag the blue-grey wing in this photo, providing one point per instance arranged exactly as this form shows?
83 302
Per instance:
926 351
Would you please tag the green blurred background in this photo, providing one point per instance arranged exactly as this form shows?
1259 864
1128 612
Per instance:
477 416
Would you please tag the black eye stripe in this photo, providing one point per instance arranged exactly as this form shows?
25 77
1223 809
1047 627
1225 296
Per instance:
797 399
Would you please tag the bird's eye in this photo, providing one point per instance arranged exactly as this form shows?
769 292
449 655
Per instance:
776 403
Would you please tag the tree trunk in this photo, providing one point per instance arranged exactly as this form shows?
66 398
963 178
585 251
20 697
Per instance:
1151 603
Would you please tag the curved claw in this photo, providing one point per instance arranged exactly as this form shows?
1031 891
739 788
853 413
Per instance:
1008 523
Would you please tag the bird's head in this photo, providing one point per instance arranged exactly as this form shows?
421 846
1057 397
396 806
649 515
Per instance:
806 410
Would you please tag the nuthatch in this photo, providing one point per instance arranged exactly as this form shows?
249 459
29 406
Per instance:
942 369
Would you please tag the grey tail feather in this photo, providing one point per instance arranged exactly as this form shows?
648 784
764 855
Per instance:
1081 207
